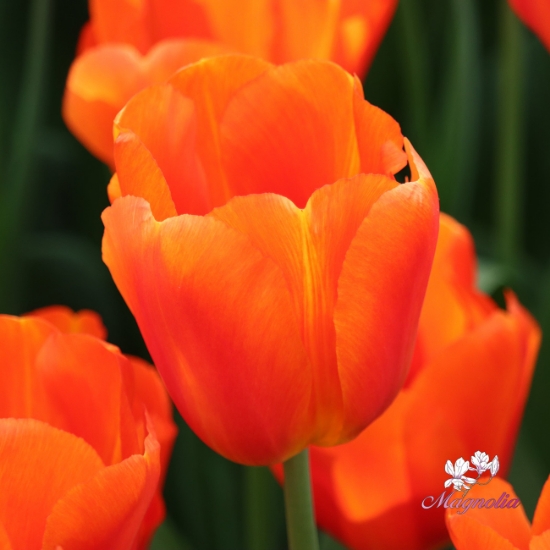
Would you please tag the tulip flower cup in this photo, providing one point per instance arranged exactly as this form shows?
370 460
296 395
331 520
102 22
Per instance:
274 265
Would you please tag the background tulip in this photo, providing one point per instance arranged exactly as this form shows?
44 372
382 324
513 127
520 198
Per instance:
272 317
84 403
466 347
126 47
501 528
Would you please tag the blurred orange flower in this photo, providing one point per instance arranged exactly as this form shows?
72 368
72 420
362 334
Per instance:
85 432
536 15
502 528
282 318
128 45
466 391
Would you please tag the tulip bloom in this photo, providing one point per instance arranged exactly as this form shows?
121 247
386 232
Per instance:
127 46
536 15
285 317
466 391
503 525
85 435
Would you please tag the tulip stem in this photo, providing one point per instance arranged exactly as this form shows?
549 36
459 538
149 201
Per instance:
300 518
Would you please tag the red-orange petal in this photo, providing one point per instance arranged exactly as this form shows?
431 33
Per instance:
91 403
541 520
100 82
299 135
155 152
5 543
453 306
307 29
248 28
380 295
39 464
540 542
20 342
361 27
379 137
68 321
489 528
150 391
122 21
106 511
310 246
536 15
213 312
211 84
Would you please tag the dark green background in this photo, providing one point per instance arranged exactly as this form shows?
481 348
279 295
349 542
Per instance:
470 87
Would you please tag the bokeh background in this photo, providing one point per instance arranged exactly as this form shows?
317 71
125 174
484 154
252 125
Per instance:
470 87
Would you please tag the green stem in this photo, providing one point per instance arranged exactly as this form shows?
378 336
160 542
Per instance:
16 179
300 519
509 155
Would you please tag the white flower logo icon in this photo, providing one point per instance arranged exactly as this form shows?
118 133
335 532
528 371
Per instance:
494 465
480 462
458 479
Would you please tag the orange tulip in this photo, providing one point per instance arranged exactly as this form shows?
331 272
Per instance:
466 391
536 15
501 528
85 432
282 318
130 45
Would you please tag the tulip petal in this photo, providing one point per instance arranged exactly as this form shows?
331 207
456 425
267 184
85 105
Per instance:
106 511
251 31
478 526
100 82
5 543
379 137
39 464
299 135
452 304
211 84
121 21
208 303
541 520
469 534
540 542
78 393
380 294
361 27
20 342
68 321
535 14
150 391
309 29
309 246
169 56
163 138
182 18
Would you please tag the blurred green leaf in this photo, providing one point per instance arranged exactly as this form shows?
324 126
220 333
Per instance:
167 538
454 132
14 190
326 542
263 510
